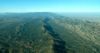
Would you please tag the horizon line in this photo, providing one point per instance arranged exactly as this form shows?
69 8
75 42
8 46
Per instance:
48 12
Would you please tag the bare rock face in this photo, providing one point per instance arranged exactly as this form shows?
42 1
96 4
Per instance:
47 33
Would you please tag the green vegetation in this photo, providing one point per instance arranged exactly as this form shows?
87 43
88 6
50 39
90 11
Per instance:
47 33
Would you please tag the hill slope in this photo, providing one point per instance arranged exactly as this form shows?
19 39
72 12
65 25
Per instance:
47 33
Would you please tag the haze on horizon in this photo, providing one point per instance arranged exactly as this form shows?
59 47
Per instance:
49 6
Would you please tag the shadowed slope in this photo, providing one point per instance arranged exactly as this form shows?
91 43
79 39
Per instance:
59 44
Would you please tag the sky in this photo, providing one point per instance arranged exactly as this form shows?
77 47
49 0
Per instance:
49 6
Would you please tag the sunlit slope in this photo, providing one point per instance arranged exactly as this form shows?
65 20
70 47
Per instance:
81 36
47 33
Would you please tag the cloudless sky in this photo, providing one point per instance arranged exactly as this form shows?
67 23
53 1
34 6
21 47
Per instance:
49 6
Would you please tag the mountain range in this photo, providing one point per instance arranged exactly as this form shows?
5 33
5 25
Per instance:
45 32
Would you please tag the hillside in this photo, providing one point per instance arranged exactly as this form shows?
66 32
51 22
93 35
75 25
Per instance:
47 33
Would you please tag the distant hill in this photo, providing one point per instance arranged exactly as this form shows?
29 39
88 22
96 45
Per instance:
44 32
